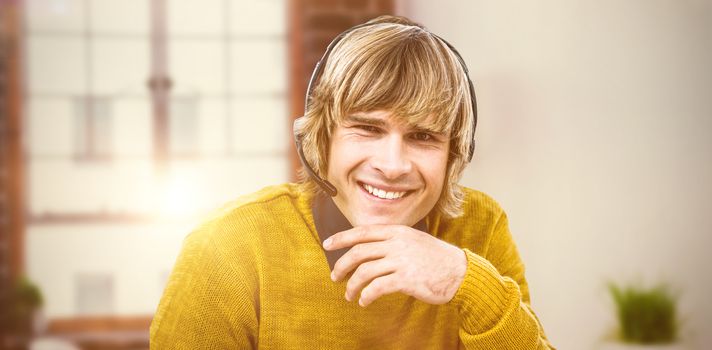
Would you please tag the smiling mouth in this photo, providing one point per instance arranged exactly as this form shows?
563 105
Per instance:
383 194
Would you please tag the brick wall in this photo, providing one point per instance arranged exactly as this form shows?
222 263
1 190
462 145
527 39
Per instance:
312 26
4 232
10 144
11 218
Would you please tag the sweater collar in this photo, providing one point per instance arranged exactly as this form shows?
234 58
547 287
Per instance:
328 220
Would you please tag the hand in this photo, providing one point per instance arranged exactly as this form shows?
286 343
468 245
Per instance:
396 258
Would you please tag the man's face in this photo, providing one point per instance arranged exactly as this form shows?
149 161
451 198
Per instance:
386 172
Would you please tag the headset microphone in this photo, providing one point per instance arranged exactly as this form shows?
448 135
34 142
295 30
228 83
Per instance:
325 185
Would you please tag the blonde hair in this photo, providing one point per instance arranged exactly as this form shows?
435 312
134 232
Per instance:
396 65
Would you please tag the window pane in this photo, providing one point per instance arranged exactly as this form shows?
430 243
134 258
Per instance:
183 126
212 132
102 126
94 293
121 66
49 127
124 16
258 66
56 65
82 147
197 67
195 17
257 17
93 127
259 125
133 128
55 15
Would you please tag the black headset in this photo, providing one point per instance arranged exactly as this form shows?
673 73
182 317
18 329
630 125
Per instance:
326 185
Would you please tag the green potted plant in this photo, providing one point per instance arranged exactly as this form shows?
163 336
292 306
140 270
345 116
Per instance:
23 305
647 317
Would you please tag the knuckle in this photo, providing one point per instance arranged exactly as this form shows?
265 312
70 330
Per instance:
365 268
362 271
410 274
399 241
363 232
406 289
401 261
368 293
352 284
341 264
356 252
400 283
378 286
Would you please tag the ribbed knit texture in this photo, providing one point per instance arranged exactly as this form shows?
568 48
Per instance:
255 276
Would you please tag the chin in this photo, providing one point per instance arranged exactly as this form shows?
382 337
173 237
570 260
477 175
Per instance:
381 220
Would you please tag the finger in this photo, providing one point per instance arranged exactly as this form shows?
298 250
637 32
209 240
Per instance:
379 287
360 234
366 273
356 256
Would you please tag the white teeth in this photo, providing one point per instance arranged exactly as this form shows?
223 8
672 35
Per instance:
381 193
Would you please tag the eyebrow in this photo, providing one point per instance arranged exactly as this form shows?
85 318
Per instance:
354 118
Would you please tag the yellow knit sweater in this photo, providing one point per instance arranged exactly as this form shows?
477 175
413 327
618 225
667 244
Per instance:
255 276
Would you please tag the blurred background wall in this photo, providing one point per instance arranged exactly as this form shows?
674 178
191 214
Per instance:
139 117
107 192
596 138
136 118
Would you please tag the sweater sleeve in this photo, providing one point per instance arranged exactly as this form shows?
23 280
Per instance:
208 302
493 299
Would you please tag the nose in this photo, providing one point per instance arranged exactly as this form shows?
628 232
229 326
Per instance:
392 158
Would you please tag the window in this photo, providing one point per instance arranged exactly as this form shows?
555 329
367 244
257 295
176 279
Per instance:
93 132
93 145
94 293
91 114
183 126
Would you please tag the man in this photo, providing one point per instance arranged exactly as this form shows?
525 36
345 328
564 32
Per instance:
377 247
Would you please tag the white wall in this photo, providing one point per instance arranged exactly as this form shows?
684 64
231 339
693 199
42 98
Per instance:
595 135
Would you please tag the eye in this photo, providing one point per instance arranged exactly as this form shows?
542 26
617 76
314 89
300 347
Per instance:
367 128
422 136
